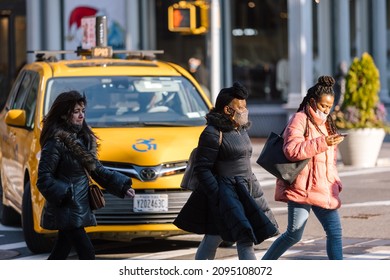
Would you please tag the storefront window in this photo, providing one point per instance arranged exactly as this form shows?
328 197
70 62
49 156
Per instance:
260 48
13 43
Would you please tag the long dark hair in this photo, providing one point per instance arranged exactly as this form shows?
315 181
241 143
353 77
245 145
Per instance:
60 114
323 86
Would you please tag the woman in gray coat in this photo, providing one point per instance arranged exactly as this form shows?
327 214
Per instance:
229 203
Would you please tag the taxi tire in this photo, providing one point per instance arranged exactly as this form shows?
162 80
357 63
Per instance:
36 242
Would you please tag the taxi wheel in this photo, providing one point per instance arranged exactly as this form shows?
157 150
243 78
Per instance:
36 242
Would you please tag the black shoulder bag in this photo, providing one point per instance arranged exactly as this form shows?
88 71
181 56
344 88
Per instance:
273 160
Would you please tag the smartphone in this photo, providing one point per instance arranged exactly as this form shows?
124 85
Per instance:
343 134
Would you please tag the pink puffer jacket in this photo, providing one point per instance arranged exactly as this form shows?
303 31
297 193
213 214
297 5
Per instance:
318 183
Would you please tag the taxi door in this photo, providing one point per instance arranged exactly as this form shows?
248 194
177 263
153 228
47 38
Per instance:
16 141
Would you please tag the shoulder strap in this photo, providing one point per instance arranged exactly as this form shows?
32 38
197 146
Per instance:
220 138
88 175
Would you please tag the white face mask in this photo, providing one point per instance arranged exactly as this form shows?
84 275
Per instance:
322 115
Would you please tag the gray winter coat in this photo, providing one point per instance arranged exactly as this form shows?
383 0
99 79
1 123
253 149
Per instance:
229 201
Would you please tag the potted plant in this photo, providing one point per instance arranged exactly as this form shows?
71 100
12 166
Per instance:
361 114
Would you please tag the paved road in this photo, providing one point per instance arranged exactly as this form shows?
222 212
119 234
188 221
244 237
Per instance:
184 248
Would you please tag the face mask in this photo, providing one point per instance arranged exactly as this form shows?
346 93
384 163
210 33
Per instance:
323 116
240 118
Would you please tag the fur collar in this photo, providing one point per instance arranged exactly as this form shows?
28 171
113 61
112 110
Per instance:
222 122
77 148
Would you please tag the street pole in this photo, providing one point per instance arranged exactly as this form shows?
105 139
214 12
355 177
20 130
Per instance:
215 49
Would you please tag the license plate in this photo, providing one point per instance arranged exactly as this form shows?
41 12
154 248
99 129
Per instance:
150 203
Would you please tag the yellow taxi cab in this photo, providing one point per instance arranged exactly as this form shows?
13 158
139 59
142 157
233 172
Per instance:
148 115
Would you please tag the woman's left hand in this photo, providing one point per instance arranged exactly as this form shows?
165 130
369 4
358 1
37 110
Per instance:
130 192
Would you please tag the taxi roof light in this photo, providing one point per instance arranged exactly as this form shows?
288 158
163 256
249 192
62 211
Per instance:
96 52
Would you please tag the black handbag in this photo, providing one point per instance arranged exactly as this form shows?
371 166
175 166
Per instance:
273 160
190 180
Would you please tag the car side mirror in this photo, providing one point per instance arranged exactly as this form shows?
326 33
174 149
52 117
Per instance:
16 117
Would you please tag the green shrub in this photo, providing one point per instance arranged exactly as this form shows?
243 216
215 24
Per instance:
361 107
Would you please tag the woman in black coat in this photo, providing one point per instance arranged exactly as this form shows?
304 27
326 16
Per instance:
68 153
229 203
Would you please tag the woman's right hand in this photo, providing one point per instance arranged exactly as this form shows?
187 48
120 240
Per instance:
333 140
130 192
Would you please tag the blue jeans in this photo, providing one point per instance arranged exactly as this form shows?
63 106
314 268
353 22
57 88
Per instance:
297 218
210 243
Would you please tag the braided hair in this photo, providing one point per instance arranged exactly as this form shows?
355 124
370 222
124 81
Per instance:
323 86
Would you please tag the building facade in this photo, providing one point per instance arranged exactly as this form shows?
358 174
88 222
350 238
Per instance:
276 48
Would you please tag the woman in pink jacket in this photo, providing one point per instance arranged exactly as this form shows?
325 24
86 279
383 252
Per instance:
312 134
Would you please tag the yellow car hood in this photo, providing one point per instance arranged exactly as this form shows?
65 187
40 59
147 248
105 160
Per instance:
147 146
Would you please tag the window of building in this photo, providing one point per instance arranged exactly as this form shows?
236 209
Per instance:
260 48
181 47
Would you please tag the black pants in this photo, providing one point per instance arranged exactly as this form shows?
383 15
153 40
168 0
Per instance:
76 238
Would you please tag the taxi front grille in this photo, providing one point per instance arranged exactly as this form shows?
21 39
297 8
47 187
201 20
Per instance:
120 211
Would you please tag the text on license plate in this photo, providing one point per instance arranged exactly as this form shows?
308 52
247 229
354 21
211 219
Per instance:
150 203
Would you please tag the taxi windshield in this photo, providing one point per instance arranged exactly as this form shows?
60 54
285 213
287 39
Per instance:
116 101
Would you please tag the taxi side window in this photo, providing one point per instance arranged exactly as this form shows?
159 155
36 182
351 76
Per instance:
31 101
25 95
22 91
14 90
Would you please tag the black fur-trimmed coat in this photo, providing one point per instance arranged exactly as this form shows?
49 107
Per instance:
230 206
63 181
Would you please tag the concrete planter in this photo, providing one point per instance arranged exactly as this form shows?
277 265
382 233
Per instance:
361 147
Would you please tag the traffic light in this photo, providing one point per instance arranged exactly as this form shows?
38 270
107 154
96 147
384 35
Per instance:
182 19
188 17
